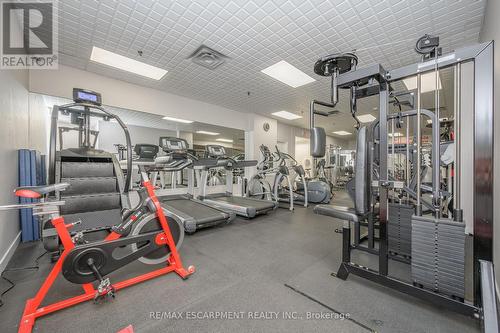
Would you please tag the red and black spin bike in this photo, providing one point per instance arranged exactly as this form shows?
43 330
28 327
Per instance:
145 234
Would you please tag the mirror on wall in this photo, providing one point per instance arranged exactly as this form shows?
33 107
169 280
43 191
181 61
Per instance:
144 129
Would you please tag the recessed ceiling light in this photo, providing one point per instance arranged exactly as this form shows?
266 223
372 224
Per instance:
178 120
207 133
428 82
366 118
286 115
396 134
286 73
127 64
429 121
224 140
342 133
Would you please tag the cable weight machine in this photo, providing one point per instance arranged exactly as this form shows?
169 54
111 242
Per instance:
429 220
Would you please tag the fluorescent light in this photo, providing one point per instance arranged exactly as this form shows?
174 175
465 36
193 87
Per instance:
428 82
207 133
286 115
396 134
178 120
286 73
366 118
342 133
224 140
429 121
127 64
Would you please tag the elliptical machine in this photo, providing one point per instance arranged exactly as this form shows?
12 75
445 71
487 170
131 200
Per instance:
290 187
258 186
305 190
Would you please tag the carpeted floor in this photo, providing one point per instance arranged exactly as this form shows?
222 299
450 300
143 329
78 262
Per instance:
269 266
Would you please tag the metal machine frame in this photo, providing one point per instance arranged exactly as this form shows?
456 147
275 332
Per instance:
482 56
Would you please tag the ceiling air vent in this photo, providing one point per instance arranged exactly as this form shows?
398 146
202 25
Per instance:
208 58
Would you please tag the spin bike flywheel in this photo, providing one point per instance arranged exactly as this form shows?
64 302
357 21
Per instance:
108 256
150 223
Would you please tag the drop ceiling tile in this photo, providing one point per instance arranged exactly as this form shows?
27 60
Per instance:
256 34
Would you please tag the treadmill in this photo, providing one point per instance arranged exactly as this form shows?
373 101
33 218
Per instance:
242 206
193 213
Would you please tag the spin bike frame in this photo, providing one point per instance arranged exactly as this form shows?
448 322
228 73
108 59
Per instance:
33 308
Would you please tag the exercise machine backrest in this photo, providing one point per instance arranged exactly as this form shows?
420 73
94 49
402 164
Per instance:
318 142
361 167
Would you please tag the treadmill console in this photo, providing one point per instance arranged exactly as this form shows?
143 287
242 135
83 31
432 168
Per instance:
215 151
171 144
87 96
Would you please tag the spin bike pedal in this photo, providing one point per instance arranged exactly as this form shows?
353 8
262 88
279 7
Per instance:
104 292
105 289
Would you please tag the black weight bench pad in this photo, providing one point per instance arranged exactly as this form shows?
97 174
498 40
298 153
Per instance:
340 212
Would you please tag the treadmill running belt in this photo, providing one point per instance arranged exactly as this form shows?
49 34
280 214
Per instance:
259 205
193 212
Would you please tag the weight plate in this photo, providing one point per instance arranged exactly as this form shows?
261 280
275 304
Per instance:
344 62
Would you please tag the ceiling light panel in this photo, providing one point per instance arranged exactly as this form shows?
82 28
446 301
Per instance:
286 115
207 133
126 64
224 140
342 133
178 120
288 74
427 84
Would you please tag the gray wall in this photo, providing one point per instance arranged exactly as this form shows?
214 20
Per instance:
14 134
491 31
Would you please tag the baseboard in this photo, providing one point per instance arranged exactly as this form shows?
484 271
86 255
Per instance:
10 251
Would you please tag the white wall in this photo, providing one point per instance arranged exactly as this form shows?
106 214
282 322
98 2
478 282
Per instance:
287 133
257 136
350 144
302 152
491 31
18 129
111 133
130 96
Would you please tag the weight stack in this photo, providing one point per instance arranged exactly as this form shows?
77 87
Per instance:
399 229
438 255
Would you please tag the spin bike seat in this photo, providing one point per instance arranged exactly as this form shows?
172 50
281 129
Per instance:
38 191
